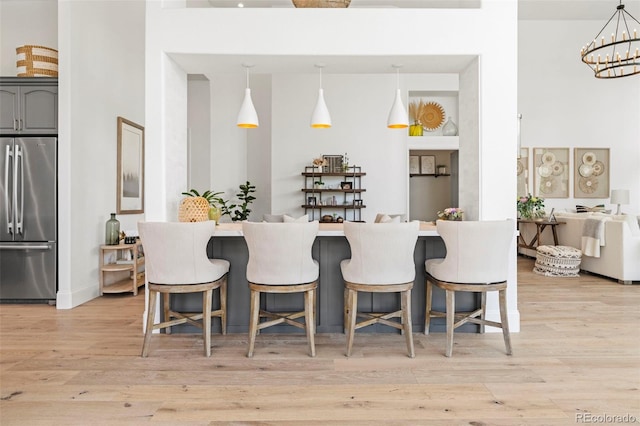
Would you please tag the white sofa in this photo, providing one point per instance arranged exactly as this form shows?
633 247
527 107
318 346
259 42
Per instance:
619 256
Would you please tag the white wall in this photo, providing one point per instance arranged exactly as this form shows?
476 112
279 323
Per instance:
101 78
25 22
269 32
563 105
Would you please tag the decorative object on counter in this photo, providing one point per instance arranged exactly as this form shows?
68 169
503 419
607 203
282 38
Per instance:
432 116
246 198
398 118
247 116
320 119
450 128
619 196
327 218
193 209
130 188
414 113
603 56
451 213
530 207
322 3
112 231
442 169
214 211
36 61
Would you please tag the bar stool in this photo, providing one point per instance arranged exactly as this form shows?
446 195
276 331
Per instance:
477 260
280 262
176 262
381 262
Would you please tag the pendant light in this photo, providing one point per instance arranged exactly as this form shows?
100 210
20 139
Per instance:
247 117
398 118
320 119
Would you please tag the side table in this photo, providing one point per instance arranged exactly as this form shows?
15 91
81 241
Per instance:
541 225
134 260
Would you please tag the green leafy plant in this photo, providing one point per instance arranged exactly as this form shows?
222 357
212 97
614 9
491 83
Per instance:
246 198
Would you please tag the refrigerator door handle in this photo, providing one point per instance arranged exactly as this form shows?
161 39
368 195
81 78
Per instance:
19 164
35 246
7 163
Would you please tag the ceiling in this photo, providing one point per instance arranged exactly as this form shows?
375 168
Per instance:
598 10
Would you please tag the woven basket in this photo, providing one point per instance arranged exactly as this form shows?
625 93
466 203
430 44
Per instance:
321 3
37 61
193 209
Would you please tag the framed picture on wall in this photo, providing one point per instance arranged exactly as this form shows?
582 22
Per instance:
428 164
551 172
522 172
591 173
130 187
414 165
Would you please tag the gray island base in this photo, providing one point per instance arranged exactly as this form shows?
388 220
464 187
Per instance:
329 249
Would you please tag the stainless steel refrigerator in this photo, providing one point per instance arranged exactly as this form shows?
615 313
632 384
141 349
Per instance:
28 223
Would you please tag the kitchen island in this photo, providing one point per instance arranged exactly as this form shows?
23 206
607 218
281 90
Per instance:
329 249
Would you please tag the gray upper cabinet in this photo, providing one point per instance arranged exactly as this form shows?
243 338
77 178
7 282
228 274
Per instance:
28 106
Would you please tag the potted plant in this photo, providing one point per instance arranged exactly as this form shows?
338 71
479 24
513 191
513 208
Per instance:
318 184
191 207
451 213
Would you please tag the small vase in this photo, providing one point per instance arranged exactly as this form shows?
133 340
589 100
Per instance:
450 128
415 129
112 231
215 213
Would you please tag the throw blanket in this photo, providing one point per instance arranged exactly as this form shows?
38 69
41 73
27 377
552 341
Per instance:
593 236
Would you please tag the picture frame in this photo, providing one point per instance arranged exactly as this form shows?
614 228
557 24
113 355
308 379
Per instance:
551 172
591 173
130 169
414 165
334 164
552 216
312 201
428 164
345 185
522 172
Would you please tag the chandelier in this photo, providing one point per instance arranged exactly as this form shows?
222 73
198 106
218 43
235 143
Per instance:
618 56
321 3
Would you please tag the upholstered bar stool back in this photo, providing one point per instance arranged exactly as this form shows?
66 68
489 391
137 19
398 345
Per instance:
176 262
280 262
381 262
477 260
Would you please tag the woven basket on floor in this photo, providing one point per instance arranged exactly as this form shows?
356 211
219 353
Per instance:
37 61
321 3
193 209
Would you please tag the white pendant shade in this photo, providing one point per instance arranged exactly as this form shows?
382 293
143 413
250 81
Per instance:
320 119
247 117
398 118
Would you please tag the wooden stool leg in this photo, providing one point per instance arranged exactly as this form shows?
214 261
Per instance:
451 312
309 319
406 321
345 319
504 319
483 306
166 307
352 300
206 321
253 320
427 314
151 311
223 306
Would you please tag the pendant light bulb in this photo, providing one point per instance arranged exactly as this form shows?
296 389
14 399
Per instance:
320 119
247 117
398 118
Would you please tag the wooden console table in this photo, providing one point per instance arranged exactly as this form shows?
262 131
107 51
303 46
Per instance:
541 224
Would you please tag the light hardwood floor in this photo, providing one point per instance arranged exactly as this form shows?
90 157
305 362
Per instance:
577 357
